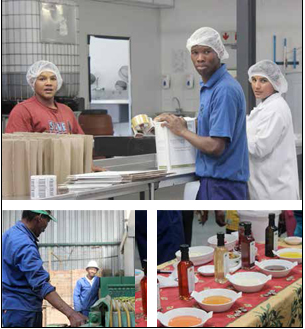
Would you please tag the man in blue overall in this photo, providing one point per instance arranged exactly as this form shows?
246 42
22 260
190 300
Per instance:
84 288
25 283
222 161
170 234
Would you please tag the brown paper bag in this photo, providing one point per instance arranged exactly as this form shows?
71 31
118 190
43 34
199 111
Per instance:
77 151
7 165
88 152
21 168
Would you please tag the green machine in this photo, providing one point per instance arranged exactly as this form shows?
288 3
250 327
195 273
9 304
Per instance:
116 305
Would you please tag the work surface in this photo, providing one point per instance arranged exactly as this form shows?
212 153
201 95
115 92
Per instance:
282 310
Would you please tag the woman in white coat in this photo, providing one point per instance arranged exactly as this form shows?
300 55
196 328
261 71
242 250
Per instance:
271 140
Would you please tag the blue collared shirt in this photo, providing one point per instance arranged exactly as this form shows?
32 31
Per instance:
25 282
85 294
223 114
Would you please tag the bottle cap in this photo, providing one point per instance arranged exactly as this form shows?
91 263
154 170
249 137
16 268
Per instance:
220 239
248 226
184 251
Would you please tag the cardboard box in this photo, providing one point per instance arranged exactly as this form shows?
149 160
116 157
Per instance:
175 152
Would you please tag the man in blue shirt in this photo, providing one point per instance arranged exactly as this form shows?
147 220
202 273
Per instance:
84 288
25 283
222 162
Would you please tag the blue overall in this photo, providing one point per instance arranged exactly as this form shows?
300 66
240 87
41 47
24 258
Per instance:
298 214
170 234
141 233
25 282
223 114
85 295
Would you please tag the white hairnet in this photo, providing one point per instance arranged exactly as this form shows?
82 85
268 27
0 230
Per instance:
206 36
272 72
42 66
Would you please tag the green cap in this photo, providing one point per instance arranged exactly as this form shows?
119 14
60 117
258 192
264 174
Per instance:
44 212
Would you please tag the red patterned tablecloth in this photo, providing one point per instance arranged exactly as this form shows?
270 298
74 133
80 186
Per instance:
170 298
140 320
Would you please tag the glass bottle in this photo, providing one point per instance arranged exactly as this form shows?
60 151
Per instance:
241 231
221 259
247 249
271 237
143 284
186 274
158 296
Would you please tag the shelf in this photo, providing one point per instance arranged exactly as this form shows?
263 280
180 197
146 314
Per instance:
110 101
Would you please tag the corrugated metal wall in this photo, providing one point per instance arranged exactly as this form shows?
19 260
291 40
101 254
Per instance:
78 226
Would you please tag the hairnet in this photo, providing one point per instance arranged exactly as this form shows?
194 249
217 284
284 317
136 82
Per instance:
272 72
42 66
206 36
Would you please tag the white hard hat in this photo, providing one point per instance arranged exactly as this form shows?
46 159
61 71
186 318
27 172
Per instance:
206 36
92 263
42 66
271 71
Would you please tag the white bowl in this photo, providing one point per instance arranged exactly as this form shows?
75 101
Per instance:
230 241
138 277
279 253
276 274
235 261
199 296
238 278
199 255
293 240
207 270
164 318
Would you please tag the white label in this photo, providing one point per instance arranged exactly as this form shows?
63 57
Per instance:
275 239
191 279
158 297
225 264
252 252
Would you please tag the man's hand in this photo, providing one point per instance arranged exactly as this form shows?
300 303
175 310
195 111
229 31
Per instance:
97 169
77 319
176 125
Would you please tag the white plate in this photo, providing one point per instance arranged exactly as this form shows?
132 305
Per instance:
199 255
276 274
279 253
293 240
207 270
199 296
239 281
164 318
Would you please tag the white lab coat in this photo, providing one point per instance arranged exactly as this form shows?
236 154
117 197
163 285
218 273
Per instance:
272 151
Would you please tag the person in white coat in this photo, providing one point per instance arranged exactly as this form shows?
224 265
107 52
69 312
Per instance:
271 140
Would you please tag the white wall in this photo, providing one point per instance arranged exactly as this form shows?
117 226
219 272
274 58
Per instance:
142 26
282 18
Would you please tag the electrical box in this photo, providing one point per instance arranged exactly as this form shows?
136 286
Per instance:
190 81
166 82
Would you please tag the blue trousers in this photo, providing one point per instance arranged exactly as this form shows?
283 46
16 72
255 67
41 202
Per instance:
170 234
21 319
221 189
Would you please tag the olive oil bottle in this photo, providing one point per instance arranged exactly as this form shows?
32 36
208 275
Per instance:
221 259
272 236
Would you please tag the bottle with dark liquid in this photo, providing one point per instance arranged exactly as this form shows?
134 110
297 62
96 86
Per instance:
272 236
247 249
143 284
241 231
186 274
